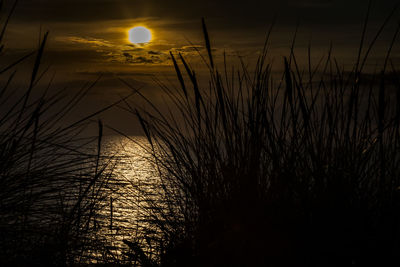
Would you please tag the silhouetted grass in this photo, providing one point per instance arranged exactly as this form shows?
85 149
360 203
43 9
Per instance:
52 187
302 171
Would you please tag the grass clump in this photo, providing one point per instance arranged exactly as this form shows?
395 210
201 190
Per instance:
52 187
299 171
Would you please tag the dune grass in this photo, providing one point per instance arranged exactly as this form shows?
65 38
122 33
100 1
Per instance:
52 186
258 171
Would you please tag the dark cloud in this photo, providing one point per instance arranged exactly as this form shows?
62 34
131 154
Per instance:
142 59
128 56
154 53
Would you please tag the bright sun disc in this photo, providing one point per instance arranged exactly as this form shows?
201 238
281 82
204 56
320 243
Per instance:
139 35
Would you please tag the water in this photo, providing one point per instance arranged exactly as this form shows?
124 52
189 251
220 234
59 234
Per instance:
134 179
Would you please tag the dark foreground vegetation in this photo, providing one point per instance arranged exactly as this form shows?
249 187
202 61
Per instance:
254 171
302 171
51 183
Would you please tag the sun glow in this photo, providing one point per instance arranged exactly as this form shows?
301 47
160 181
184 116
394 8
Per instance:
139 35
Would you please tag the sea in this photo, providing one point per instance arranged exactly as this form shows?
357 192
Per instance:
132 182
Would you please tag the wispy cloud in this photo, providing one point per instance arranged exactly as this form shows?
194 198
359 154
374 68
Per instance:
93 42
153 53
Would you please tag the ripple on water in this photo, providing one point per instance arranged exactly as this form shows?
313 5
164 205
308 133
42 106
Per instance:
134 178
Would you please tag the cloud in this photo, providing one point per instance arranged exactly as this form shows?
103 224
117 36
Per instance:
128 56
122 53
189 48
93 42
143 60
149 58
153 53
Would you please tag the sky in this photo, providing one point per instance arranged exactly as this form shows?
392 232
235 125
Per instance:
89 37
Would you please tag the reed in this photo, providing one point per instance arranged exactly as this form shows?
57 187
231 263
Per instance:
298 171
52 186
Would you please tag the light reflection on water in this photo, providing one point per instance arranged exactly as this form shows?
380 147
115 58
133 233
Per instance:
134 178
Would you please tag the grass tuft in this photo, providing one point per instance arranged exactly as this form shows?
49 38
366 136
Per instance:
300 172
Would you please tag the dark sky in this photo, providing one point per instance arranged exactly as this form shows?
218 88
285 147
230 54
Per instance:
241 12
88 37
95 31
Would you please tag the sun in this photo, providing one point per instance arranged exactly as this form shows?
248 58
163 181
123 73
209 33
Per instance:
139 35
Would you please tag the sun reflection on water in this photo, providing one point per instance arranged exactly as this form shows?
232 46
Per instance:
134 179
